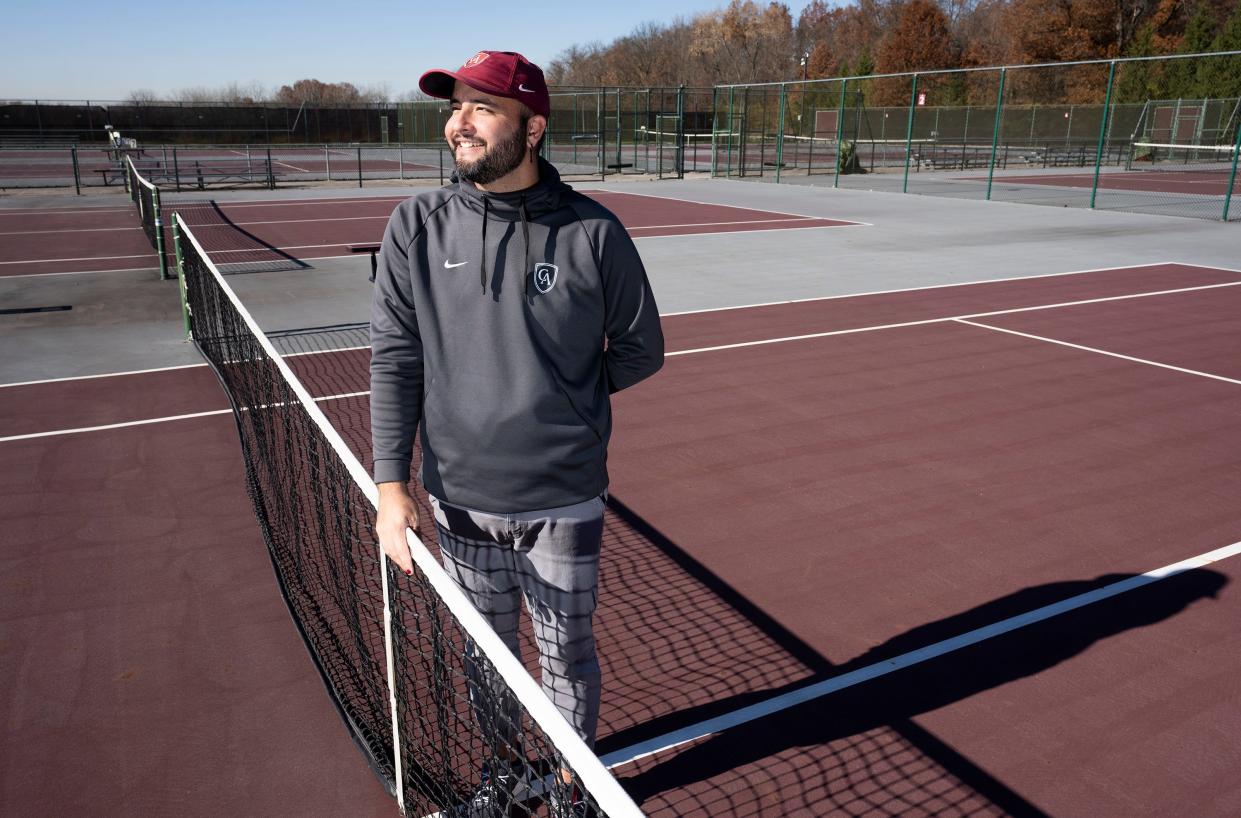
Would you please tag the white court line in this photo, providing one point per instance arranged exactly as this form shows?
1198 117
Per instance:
149 421
942 286
201 227
72 230
68 211
944 319
868 673
711 204
103 375
83 272
106 426
717 224
752 231
156 369
83 258
964 319
1099 351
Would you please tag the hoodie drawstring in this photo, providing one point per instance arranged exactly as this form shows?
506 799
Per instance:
525 236
483 269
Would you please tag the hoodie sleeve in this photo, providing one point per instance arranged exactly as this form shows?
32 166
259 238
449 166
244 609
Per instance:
396 353
635 339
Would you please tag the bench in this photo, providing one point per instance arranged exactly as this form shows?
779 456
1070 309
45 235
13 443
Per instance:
373 249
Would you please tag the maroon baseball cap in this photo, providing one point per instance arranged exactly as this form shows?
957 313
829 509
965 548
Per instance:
503 73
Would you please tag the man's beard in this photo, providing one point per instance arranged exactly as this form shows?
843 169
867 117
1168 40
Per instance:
498 160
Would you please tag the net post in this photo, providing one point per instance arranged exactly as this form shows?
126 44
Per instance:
176 246
271 172
327 162
77 171
159 234
1232 175
995 131
909 131
359 165
840 130
176 169
1107 108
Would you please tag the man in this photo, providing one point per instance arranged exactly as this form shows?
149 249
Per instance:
506 310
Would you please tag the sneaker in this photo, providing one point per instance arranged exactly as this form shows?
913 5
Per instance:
505 785
577 807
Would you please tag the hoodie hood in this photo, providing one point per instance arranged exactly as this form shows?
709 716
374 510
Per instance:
544 196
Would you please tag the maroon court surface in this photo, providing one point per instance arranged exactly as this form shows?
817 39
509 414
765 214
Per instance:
806 491
1204 183
101 239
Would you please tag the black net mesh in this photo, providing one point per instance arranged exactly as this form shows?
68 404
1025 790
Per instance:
467 745
146 199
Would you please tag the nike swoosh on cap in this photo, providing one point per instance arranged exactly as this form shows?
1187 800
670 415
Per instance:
521 86
449 266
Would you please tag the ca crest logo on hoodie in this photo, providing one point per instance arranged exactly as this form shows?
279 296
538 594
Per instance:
545 276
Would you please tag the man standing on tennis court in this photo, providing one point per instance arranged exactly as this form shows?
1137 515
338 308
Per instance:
507 308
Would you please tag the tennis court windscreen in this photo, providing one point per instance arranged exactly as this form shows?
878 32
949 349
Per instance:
146 199
384 643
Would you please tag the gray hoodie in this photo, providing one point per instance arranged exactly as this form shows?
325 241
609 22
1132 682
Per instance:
488 330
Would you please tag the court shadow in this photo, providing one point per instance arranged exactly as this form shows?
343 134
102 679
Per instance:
234 249
858 750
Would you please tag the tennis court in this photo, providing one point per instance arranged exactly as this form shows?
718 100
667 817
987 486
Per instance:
931 511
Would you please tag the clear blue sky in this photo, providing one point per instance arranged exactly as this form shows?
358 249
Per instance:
92 50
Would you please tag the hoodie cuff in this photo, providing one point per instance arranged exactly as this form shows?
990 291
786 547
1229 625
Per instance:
391 471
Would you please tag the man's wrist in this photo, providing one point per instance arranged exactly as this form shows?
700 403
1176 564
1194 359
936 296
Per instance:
393 488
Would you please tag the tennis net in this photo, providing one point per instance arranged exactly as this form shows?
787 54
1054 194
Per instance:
146 199
427 689
1213 159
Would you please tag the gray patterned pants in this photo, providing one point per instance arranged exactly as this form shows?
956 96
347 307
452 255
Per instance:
549 558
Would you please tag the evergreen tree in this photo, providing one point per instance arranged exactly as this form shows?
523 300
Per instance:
1182 75
1133 80
1221 76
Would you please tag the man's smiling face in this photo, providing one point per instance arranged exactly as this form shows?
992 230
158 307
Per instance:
487 134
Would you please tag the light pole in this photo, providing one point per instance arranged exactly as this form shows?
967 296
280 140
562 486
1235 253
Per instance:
805 70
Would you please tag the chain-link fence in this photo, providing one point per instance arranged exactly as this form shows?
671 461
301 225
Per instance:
1103 134
1153 135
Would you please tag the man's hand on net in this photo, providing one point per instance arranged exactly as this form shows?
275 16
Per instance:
397 512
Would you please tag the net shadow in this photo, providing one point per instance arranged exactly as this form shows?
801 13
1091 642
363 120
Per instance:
234 249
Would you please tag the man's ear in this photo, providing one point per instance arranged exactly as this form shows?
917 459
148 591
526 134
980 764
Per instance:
535 129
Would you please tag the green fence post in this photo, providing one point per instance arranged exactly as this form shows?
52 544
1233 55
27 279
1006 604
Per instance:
840 130
715 130
680 140
744 133
359 166
909 131
995 132
728 164
1107 108
1232 177
159 234
780 132
77 171
620 135
601 121
176 244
